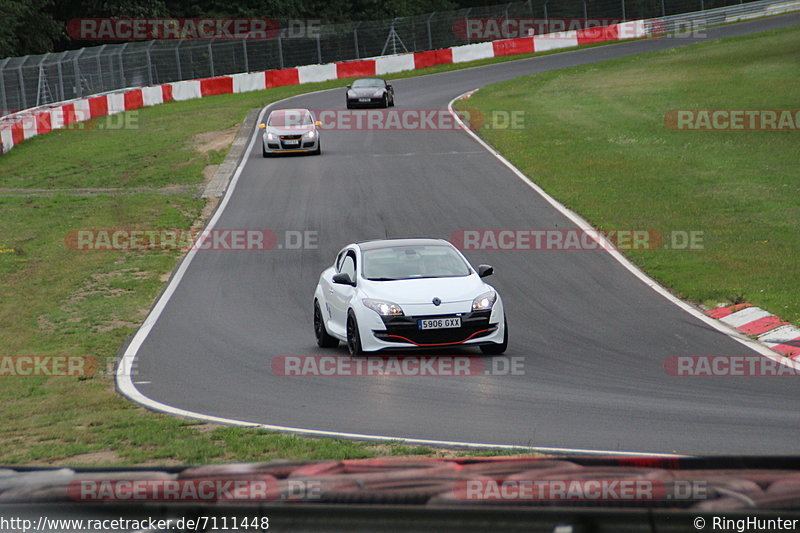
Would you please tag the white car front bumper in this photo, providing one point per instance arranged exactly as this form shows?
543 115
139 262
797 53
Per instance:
476 328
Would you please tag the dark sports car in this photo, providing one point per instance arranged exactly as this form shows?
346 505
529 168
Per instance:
370 92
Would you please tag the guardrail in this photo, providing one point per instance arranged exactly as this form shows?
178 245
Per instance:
31 81
685 22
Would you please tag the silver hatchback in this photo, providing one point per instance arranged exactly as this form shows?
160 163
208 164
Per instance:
290 131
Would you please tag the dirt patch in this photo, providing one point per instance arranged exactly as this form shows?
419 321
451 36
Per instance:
105 292
208 173
91 458
161 462
114 324
214 140
207 427
45 325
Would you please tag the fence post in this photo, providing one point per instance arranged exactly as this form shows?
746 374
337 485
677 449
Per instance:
178 60
211 57
430 36
624 18
355 39
3 110
99 69
122 65
22 86
246 61
149 64
663 11
280 50
319 51
60 78
585 13
39 82
77 68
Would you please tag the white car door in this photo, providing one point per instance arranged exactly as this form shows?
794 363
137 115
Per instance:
339 295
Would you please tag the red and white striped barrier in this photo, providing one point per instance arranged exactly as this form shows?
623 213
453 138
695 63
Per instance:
780 336
23 125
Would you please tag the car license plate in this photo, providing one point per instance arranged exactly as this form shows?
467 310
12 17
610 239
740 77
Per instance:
363 99
439 323
291 142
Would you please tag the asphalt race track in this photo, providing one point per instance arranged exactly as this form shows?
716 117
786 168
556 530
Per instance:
593 336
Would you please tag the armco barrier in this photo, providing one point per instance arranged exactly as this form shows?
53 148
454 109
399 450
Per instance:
316 73
432 57
472 52
152 95
554 41
278 78
20 126
352 69
396 63
512 46
251 81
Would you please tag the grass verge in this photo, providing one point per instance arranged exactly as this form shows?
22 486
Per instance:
595 139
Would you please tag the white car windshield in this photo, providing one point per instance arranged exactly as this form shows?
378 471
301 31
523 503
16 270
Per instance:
290 120
409 262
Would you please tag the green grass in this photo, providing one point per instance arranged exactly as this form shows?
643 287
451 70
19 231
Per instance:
58 301
595 139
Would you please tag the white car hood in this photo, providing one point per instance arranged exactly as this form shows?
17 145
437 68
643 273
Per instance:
295 130
424 290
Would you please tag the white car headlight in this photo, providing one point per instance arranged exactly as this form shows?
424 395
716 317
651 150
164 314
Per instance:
270 137
310 134
378 94
484 301
382 307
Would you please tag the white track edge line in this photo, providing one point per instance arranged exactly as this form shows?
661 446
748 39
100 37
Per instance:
128 389
616 254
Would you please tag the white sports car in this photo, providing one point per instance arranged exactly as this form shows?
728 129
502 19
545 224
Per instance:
407 293
290 131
